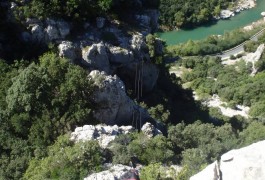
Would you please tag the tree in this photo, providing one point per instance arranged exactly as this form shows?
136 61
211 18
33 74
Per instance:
67 160
49 99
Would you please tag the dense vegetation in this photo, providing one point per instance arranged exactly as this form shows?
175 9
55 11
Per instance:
78 10
42 100
233 86
38 103
188 13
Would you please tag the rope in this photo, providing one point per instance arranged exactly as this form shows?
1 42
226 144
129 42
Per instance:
142 78
138 92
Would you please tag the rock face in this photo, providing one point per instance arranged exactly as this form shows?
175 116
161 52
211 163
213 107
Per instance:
114 173
139 47
120 55
150 130
245 164
113 105
102 133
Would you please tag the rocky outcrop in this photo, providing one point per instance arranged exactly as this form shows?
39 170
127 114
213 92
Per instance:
114 173
96 57
254 57
225 14
149 130
47 31
120 55
102 133
245 164
139 47
112 104
68 50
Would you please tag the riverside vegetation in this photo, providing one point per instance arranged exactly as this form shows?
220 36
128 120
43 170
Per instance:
43 98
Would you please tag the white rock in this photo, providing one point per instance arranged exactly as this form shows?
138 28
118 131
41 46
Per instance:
52 33
247 163
244 164
211 172
150 130
254 57
215 101
67 50
114 173
102 133
224 14
96 57
113 104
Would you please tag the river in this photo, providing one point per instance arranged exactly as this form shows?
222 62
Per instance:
215 28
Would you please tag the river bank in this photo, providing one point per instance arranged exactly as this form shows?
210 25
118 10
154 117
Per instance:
219 27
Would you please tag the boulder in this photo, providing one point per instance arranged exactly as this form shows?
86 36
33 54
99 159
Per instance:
52 33
149 130
225 14
102 133
96 57
68 50
114 173
113 106
37 32
246 163
47 31
120 55
139 47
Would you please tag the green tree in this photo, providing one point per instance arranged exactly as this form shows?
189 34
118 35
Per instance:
67 160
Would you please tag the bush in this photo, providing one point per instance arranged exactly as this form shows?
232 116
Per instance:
67 160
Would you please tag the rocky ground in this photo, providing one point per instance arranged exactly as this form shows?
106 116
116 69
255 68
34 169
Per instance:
239 6
245 163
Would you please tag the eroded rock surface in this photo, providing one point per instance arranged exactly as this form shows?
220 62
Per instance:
114 173
245 164
150 130
113 106
102 133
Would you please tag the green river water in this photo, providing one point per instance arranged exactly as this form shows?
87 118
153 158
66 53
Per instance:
219 27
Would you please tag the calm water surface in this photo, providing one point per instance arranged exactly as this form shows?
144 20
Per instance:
220 27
